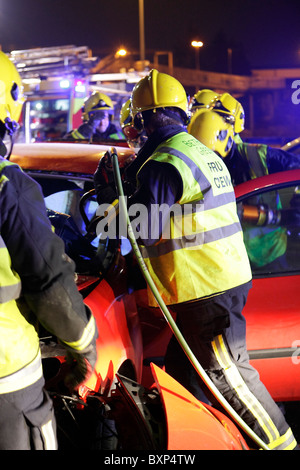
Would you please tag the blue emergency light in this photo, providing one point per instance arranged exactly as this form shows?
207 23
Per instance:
80 87
65 83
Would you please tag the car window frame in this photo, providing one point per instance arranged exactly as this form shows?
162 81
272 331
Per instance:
269 183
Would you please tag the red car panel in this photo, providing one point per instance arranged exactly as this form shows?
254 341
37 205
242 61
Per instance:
118 341
272 310
190 422
272 313
266 182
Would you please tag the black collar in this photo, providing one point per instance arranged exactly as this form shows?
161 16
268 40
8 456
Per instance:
153 141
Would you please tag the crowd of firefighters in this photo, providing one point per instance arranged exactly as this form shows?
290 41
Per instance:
182 145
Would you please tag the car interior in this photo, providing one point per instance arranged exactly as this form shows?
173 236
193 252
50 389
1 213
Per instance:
272 244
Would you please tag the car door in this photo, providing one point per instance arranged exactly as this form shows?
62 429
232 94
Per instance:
269 210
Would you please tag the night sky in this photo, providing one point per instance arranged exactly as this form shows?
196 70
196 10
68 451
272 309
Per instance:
261 33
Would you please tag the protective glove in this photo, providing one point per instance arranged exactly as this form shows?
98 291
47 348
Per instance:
94 120
104 181
81 368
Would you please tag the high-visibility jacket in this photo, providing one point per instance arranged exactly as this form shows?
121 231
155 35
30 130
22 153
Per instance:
55 302
86 131
19 342
203 254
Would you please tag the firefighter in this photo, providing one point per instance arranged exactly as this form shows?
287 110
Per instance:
224 104
97 118
244 160
218 127
203 99
202 272
134 138
36 285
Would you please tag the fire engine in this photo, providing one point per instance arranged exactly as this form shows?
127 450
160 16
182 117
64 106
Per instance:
56 81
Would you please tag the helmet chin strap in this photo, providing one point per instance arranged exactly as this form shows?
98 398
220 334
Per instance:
9 128
3 149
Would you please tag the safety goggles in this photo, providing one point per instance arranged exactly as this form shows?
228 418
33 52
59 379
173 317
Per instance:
130 132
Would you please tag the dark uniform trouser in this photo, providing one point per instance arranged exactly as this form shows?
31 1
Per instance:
27 419
215 330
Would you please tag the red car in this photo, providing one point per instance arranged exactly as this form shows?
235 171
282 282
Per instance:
273 306
131 403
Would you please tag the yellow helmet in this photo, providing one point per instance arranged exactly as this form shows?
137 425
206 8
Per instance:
231 110
11 94
96 102
125 116
203 99
158 90
211 129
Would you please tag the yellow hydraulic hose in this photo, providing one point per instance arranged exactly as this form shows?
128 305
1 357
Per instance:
168 316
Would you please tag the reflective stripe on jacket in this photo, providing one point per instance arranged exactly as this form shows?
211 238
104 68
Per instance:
77 135
203 254
256 157
85 131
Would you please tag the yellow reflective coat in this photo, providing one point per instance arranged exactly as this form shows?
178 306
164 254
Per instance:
36 283
202 251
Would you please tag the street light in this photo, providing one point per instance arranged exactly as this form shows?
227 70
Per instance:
197 45
121 53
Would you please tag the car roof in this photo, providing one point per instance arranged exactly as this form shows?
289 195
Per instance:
265 182
64 156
